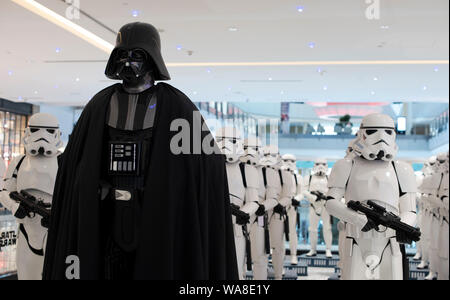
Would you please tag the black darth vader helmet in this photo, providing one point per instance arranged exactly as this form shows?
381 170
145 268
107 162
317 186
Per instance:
138 36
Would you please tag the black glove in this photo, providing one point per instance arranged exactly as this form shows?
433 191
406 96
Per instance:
279 209
295 203
403 238
261 211
22 212
243 219
369 226
45 222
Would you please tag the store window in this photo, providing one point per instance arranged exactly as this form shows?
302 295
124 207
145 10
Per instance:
12 129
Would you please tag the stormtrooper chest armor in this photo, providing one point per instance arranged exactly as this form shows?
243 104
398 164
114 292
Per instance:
235 184
374 180
38 174
318 184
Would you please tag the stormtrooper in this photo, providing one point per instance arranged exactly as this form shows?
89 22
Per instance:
443 160
278 215
438 197
341 226
425 215
372 251
316 188
430 190
278 219
243 188
33 173
268 193
289 165
137 195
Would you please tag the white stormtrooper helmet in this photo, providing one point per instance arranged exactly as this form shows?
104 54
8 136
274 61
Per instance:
271 156
229 141
442 162
429 166
42 136
320 167
253 151
376 138
289 162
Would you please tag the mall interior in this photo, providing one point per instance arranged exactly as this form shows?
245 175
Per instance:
298 81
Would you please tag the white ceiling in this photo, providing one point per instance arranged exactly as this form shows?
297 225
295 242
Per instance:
268 31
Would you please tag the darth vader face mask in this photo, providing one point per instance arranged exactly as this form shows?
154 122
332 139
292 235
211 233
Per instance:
133 65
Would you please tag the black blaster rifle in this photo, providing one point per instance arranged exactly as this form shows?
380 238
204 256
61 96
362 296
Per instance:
380 216
239 214
33 205
320 196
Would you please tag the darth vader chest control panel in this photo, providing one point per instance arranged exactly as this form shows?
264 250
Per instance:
124 158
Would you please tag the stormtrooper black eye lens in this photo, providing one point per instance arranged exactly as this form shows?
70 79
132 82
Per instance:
51 131
390 132
371 131
33 130
234 141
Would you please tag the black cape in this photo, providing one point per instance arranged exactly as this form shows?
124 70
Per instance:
186 230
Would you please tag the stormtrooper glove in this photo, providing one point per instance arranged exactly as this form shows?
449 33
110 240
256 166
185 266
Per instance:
261 211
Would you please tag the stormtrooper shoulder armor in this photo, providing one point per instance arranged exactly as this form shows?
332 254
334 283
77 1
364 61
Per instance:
10 181
13 167
406 177
340 174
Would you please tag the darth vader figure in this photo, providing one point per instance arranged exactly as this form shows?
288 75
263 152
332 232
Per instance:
125 204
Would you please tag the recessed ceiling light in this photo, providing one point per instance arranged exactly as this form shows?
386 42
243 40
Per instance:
325 88
384 27
35 92
56 86
208 71
372 93
282 93
179 47
375 78
312 45
20 98
195 93
233 29
300 8
436 69
58 50
10 73
135 13
77 79
425 88
270 78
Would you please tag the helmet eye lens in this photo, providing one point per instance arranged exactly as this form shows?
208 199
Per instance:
390 132
33 130
138 55
371 131
51 131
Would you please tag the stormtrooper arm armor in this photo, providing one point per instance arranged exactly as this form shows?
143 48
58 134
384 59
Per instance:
306 194
273 189
10 185
251 192
286 193
408 188
337 184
